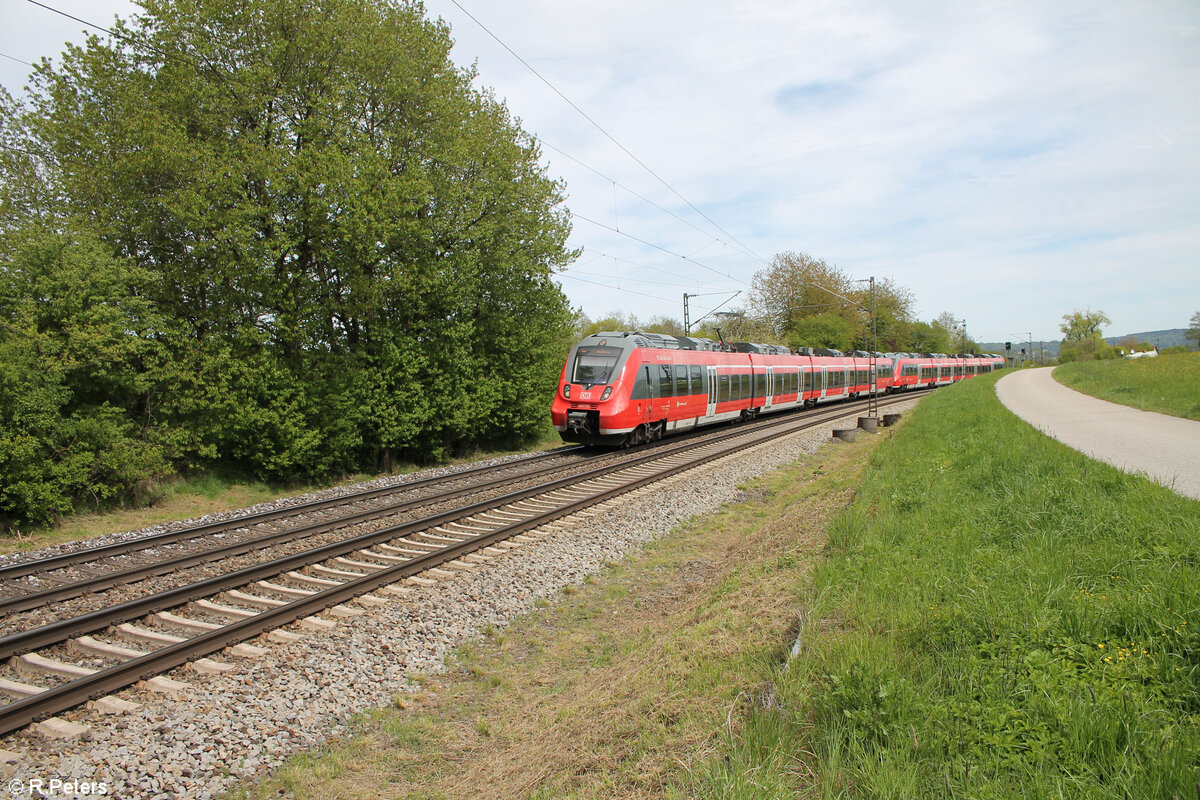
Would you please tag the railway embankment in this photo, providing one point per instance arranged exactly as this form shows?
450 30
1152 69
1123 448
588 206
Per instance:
963 607
634 682
227 726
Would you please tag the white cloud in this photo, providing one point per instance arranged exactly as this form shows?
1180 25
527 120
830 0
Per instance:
1009 161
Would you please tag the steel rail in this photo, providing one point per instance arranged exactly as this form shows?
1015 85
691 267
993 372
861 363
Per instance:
107 580
24 568
55 632
75 692
62 630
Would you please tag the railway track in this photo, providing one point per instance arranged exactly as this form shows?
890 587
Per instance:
75 660
103 567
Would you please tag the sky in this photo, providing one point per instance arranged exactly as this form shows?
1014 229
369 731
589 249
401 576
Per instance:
1008 162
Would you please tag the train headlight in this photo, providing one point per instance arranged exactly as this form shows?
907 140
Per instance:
567 390
607 392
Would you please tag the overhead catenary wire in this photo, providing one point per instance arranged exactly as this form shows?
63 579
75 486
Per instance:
18 60
576 215
572 271
683 279
600 128
233 79
643 198
614 288
628 291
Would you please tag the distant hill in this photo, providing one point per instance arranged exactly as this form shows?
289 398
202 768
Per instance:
1167 338
1161 338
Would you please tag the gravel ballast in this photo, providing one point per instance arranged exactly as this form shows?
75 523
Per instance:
229 728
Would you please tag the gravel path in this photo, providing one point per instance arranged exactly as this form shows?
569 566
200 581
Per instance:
230 728
1166 449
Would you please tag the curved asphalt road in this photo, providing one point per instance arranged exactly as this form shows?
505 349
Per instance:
1165 448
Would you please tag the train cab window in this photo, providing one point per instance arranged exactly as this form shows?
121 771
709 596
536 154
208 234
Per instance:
664 381
594 365
681 380
698 386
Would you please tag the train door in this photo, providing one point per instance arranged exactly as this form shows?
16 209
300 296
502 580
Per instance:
769 394
647 408
712 390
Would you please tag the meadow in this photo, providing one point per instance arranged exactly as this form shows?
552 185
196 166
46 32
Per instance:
996 616
958 607
1168 384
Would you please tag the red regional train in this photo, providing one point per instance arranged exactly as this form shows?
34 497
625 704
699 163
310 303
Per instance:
629 387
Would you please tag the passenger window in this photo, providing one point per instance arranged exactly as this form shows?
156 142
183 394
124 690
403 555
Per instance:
681 381
664 381
698 380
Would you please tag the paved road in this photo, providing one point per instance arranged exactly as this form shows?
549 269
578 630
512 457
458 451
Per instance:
1166 449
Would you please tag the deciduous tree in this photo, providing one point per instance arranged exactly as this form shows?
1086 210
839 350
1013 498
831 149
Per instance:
350 247
1083 338
1079 325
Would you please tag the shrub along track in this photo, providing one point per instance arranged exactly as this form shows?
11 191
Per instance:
190 622
119 563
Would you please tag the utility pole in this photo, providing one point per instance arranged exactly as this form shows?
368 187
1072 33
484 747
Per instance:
872 399
687 322
872 396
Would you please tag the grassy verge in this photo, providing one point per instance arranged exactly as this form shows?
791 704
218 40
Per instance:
1169 384
625 687
997 617
185 498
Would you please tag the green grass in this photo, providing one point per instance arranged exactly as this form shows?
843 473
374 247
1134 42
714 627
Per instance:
181 498
1169 384
997 616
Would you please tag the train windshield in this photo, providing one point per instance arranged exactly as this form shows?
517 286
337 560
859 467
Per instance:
594 365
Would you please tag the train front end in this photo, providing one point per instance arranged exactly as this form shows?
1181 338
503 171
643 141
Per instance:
591 405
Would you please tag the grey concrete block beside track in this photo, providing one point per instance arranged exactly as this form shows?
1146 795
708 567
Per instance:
1165 449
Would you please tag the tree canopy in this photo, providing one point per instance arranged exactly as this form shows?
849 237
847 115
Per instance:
1080 325
1083 338
806 301
283 235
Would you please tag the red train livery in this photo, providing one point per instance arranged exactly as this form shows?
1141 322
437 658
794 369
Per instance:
629 387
